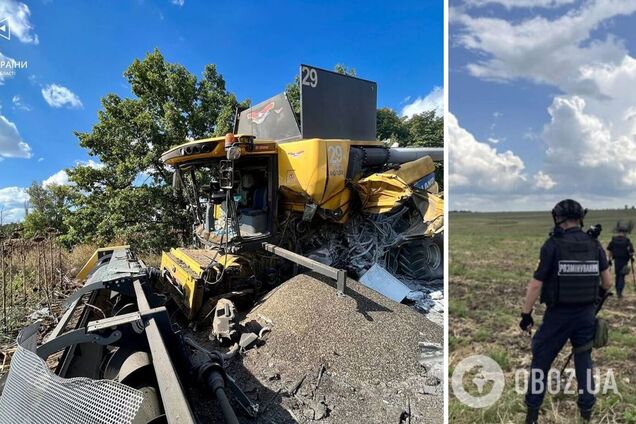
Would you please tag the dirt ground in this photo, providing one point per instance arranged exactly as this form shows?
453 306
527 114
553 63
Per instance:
492 257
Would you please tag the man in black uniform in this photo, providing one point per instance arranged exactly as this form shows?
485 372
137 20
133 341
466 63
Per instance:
621 251
567 279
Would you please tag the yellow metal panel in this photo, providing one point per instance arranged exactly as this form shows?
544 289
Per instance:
336 195
302 168
217 151
412 172
186 267
380 193
316 170
188 281
92 261
432 208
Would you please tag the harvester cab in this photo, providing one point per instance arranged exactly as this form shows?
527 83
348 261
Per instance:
230 186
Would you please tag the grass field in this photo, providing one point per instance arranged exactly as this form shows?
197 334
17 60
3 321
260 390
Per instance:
491 258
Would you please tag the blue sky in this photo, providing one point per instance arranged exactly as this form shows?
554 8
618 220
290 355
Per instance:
540 105
77 52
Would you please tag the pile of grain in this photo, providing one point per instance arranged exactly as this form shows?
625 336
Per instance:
367 346
372 336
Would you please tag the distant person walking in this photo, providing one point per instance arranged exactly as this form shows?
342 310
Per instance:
621 251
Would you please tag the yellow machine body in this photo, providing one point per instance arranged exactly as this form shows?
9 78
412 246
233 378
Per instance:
315 170
312 170
184 269
309 171
214 148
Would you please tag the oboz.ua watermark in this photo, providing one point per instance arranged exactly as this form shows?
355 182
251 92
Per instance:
478 381
597 382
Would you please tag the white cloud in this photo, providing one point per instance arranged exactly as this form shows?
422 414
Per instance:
58 96
12 203
59 178
12 199
493 140
511 4
178 2
19 105
19 17
543 181
541 201
540 49
477 167
584 151
9 195
432 101
11 144
62 178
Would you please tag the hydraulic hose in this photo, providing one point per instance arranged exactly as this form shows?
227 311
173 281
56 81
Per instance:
217 384
211 375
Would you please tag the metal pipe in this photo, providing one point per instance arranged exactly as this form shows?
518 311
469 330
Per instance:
399 155
226 408
379 156
216 382
340 275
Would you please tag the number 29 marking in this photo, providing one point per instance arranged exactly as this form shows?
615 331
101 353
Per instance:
309 76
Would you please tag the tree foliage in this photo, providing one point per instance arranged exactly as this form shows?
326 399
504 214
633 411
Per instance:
128 196
48 207
424 129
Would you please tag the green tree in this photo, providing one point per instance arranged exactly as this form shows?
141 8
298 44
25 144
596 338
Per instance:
48 207
170 106
390 126
425 129
345 70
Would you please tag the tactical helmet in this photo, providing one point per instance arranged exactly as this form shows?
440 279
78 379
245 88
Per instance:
568 209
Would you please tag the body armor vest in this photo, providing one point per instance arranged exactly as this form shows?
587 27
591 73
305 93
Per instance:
620 247
576 277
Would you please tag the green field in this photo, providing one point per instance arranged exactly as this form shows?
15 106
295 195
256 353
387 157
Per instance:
491 258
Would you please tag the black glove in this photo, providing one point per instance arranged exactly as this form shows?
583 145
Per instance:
526 321
602 292
609 262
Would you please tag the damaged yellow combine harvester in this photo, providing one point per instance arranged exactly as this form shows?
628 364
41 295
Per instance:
310 197
267 203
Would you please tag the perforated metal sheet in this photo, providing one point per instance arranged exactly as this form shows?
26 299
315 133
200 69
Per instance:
34 395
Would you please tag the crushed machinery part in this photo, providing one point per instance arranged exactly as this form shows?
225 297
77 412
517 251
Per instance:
224 321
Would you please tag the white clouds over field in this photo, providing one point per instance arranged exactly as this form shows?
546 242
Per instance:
589 139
